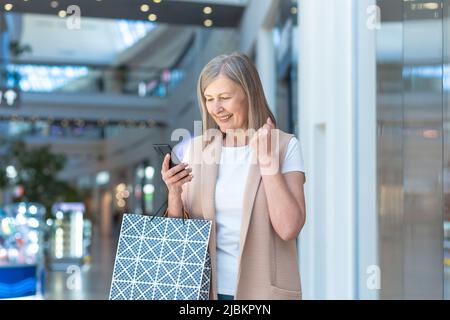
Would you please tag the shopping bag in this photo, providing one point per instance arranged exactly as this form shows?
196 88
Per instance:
161 258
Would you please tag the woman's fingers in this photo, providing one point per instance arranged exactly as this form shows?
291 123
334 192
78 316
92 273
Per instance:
165 165
178 168
184 180
178 176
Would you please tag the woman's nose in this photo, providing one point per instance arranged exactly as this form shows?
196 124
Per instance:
217 107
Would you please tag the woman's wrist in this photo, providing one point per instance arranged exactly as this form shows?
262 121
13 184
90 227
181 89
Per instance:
175 204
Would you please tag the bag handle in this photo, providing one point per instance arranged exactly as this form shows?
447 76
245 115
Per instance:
184 216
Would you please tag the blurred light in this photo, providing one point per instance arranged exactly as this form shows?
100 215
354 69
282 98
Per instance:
207 10
59 215
8 7
3 253
33 223
430 134
49 222
149 188
121 203
22 209
19 191
294 10
59 243
149 172
132 32
152 17
44 78
54 4
11 172
157 1
33 249
208 23
13 253
33 236
62 13
431 5
6 228
78 234
20 218
33 209
126 194
142 89
102 177
121 187
140 173
145 7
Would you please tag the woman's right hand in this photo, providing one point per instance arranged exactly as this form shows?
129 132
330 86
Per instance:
175 177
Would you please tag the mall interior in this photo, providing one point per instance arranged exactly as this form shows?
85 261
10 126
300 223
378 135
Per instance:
87 87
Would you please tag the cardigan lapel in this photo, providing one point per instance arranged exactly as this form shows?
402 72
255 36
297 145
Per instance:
251 188
209 171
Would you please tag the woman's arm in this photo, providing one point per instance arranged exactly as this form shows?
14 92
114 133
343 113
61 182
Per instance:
284 192
286 202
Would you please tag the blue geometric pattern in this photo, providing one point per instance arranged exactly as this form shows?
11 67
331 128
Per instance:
162 258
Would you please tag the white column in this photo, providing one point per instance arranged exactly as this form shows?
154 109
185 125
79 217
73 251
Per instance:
329 83
265 63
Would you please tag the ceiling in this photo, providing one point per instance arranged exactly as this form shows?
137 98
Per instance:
224 13
99 42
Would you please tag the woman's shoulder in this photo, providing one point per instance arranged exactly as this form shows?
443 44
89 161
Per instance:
287 138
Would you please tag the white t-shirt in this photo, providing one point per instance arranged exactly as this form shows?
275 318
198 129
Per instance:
229 196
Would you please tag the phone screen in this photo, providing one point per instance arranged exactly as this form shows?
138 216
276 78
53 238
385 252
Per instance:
164 149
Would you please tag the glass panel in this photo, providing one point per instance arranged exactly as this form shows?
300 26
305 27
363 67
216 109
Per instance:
410 149
446 88
422 149
389 148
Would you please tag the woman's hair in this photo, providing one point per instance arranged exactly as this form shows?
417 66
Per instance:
240 69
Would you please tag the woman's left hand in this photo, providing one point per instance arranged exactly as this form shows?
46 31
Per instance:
264 143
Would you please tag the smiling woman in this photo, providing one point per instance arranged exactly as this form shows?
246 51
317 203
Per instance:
231 98
252 189
226 103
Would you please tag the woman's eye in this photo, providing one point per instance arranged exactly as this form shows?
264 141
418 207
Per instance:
225 98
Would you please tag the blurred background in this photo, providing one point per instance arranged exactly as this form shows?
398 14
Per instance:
86 88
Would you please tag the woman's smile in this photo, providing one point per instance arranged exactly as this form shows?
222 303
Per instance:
225 118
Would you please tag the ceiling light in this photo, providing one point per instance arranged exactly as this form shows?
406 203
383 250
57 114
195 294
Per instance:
62 13
207 10
152 17
431 5
145 8
54 4
208 23
8 6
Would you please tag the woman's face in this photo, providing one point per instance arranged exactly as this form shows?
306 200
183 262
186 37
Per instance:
226 103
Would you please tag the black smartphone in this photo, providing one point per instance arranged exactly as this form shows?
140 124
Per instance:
164 149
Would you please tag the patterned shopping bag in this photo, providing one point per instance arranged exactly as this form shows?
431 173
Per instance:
160 258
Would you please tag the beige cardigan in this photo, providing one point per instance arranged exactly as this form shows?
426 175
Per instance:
268 267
